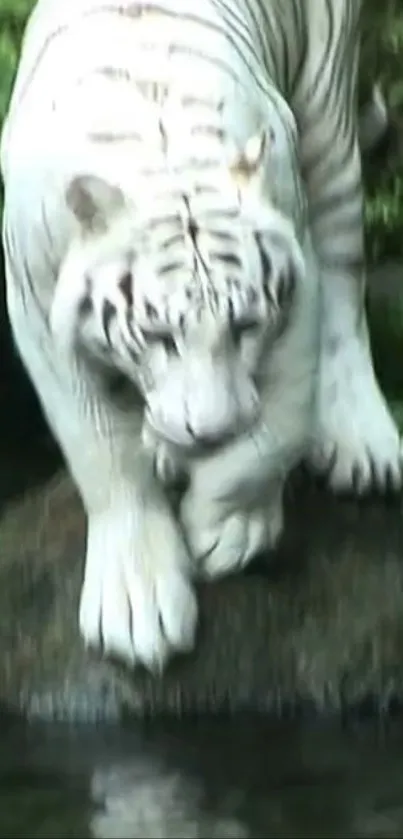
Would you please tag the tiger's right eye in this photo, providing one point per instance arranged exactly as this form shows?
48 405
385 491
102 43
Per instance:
242 328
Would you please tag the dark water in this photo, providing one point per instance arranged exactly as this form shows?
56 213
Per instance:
204 779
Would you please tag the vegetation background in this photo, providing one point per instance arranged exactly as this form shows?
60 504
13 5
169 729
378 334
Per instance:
382 61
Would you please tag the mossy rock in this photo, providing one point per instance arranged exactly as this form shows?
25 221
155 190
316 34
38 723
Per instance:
318 628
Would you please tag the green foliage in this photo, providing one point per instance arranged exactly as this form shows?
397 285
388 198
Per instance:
8 58
382 59
13 16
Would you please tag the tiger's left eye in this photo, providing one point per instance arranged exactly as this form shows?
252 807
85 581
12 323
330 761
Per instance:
169 344
285 289
163 340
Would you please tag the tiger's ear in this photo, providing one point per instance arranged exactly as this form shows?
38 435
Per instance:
245 166
93 201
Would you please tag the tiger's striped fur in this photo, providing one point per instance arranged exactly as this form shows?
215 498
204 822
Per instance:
183 204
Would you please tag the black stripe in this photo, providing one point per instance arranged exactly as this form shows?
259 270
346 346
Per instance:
231 260
265 262
126 287
300 38
171 241
207 131
170 267
108 314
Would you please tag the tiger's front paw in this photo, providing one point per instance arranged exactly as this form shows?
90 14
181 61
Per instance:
137 602
357 446
220 543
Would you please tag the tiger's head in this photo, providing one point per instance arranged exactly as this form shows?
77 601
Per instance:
186 294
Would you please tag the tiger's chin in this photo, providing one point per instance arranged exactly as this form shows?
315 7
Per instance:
173 458
178 448
181 441
170 459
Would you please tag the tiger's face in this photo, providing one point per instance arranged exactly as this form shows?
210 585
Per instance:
187 300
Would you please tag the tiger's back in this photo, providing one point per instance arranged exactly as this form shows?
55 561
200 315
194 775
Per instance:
89 70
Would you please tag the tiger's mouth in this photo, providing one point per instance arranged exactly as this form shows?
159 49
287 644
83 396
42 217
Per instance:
187 446
187 443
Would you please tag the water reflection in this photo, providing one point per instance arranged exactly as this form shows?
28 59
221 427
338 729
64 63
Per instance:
143 799
212 779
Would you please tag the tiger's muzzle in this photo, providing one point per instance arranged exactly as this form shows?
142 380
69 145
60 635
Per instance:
202 402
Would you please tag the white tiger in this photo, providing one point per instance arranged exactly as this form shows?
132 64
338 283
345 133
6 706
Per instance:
183 204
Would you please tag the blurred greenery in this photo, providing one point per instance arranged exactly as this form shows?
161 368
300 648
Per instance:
13 15
381 60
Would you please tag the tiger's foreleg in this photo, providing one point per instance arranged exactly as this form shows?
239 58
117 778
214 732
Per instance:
357 443
137 601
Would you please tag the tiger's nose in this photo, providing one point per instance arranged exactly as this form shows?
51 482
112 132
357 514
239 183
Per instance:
210 438
213 432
